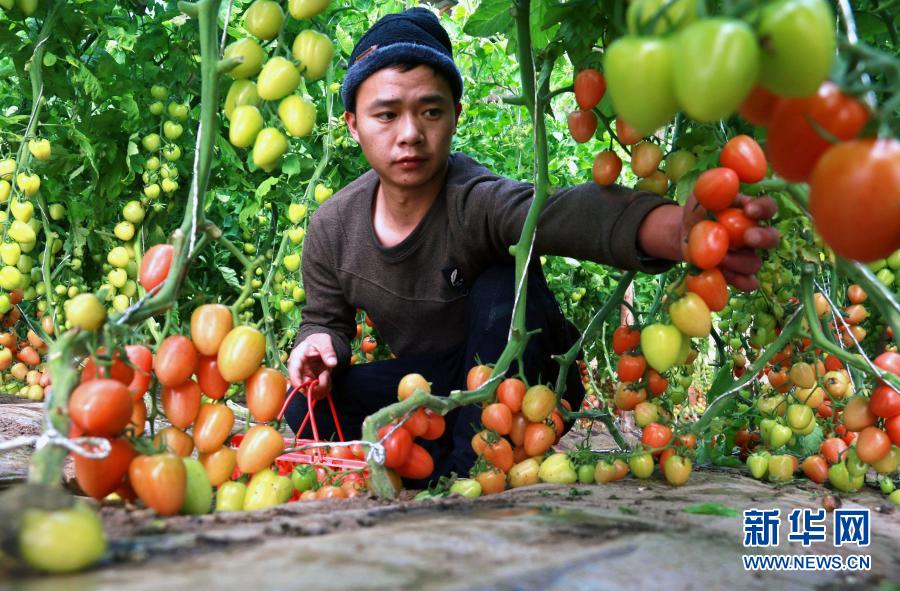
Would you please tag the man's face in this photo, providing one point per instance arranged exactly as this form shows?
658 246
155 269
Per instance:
404 122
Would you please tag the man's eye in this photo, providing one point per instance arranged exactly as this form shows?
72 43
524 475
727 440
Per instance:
433 113
386 116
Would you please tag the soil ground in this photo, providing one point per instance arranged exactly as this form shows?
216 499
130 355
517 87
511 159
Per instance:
613 536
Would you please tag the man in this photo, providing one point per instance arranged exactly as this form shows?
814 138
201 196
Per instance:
421 243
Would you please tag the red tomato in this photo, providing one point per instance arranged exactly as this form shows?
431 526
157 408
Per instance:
98 478
832 363
707 244
539 437
582 125
631 368
212 427
209 379
436 425
175 360
856 415
101 407
794 144
142 359
477 376
872 444
181 403
736 223
160 481
854 198
492 481
510 392
656 436
396 447
626 338
155 265
517 432
815 468
369 344
885 402
209 325
889 361
266 391
627 134
656 383
717 188
497 417
500 453
109 367
892 428
744 156
590 86
259 448
606 168
419 464
417 425
759 106
832 449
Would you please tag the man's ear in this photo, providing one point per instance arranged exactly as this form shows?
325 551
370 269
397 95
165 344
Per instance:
350 118
458 112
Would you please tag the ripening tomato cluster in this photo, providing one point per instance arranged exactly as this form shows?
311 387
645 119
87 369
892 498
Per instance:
276 80
22 361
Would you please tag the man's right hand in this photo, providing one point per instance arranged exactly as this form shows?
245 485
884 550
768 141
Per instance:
314 358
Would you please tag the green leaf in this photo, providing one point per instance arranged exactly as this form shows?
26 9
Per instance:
710 509
808 445
723 380
345 41
492 17
264 187
230 276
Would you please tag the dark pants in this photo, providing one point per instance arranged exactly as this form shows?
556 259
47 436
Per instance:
362 389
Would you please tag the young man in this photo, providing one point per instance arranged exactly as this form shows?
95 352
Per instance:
421 243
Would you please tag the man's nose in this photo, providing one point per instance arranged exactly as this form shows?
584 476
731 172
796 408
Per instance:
410 130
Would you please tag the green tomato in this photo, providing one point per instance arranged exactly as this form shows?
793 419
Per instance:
715 65
558 469
855 466
269 147
230 496
647 101
295 235
296 212
841 479
262 492
198 491
797 38
780 435
298 115
263 19
10 253
151 142
466 487
678 163
641 465
314 52
677 15
10 278
758 463
251 54
301 9
279 78
159 92
886 485
661 345
22 210
893 261
895 497
586 473
61 541
885 277
178 111
781 468
284 488
133 212
303 477
246 123
241 92
57 211
172 152
799 417
172 130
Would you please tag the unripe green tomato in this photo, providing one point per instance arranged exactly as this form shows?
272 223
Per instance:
249 248
296 212
124 231
152 191
151 142
278 78
117 278
314 51
120 302
299 294
152 163
301 9
298 115
250 52
256 283
169 186
157 108
286 305
263 19
178 111
246 123
172 130
86 311
75 264
159 92
10 278
10 252
269 147
172 152
129 289
25 264
242 92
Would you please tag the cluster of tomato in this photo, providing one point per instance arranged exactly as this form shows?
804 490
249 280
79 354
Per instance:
22 361
27 7
277 80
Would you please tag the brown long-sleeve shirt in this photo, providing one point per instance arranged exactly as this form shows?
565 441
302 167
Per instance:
415 292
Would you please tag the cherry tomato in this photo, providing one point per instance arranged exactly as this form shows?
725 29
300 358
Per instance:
627 134
477 376
160 481
500 453
744 156
736 223
856 415
582 125
396 446
116 369
710 285
418 465
212 427
155 265
98 478
885 402
510 392
656 436
816 468
606 168
436 426
590 86
259 448
631 368
209 325
101 407
174 440
759 106
872 445
266 391
832 449
539 437
538 403
209 379
175 360
142 359
707 244
645 158
717 188
497 417
219 464
240 354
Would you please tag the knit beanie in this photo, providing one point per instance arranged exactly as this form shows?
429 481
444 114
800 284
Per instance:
412 36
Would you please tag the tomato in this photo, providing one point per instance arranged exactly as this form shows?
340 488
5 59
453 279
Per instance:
499 454
409 383
198 490
101 407
301 9
715 63
98 478
155 265
539 437
466 487
266 391
304 478
606 168
604 472
497 417
641 465
781 468
800 417
63 540
892 428
628 135
138 419
259 448
263 19
832 449
219 464
736 223
480 441
646 101
396 446
625 338
677 15
872 445
794 144
246 123
691 315
711 286
213 426
418 465
241 352
889 361
707 244
538 403
759 106
816 468
142 359
840 478
209 379
278 78
582 125
436 425
175 360
314 52
744 156
491 481
112 367
209 325
417 424
511 392
656 383
854 198
889 463
792 28
856 415
369 344
590 86
717 188
268 148
677 470
517 431
84 311
758 464
241 92
678 163
298 115
655 437
251 55
645 158
885 402
181 403
631 368
660 344
627 396
331 492
160 481
174 440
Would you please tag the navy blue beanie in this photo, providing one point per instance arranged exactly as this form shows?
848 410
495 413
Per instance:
412 36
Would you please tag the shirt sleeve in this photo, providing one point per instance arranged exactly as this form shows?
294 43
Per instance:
586 222
326 310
